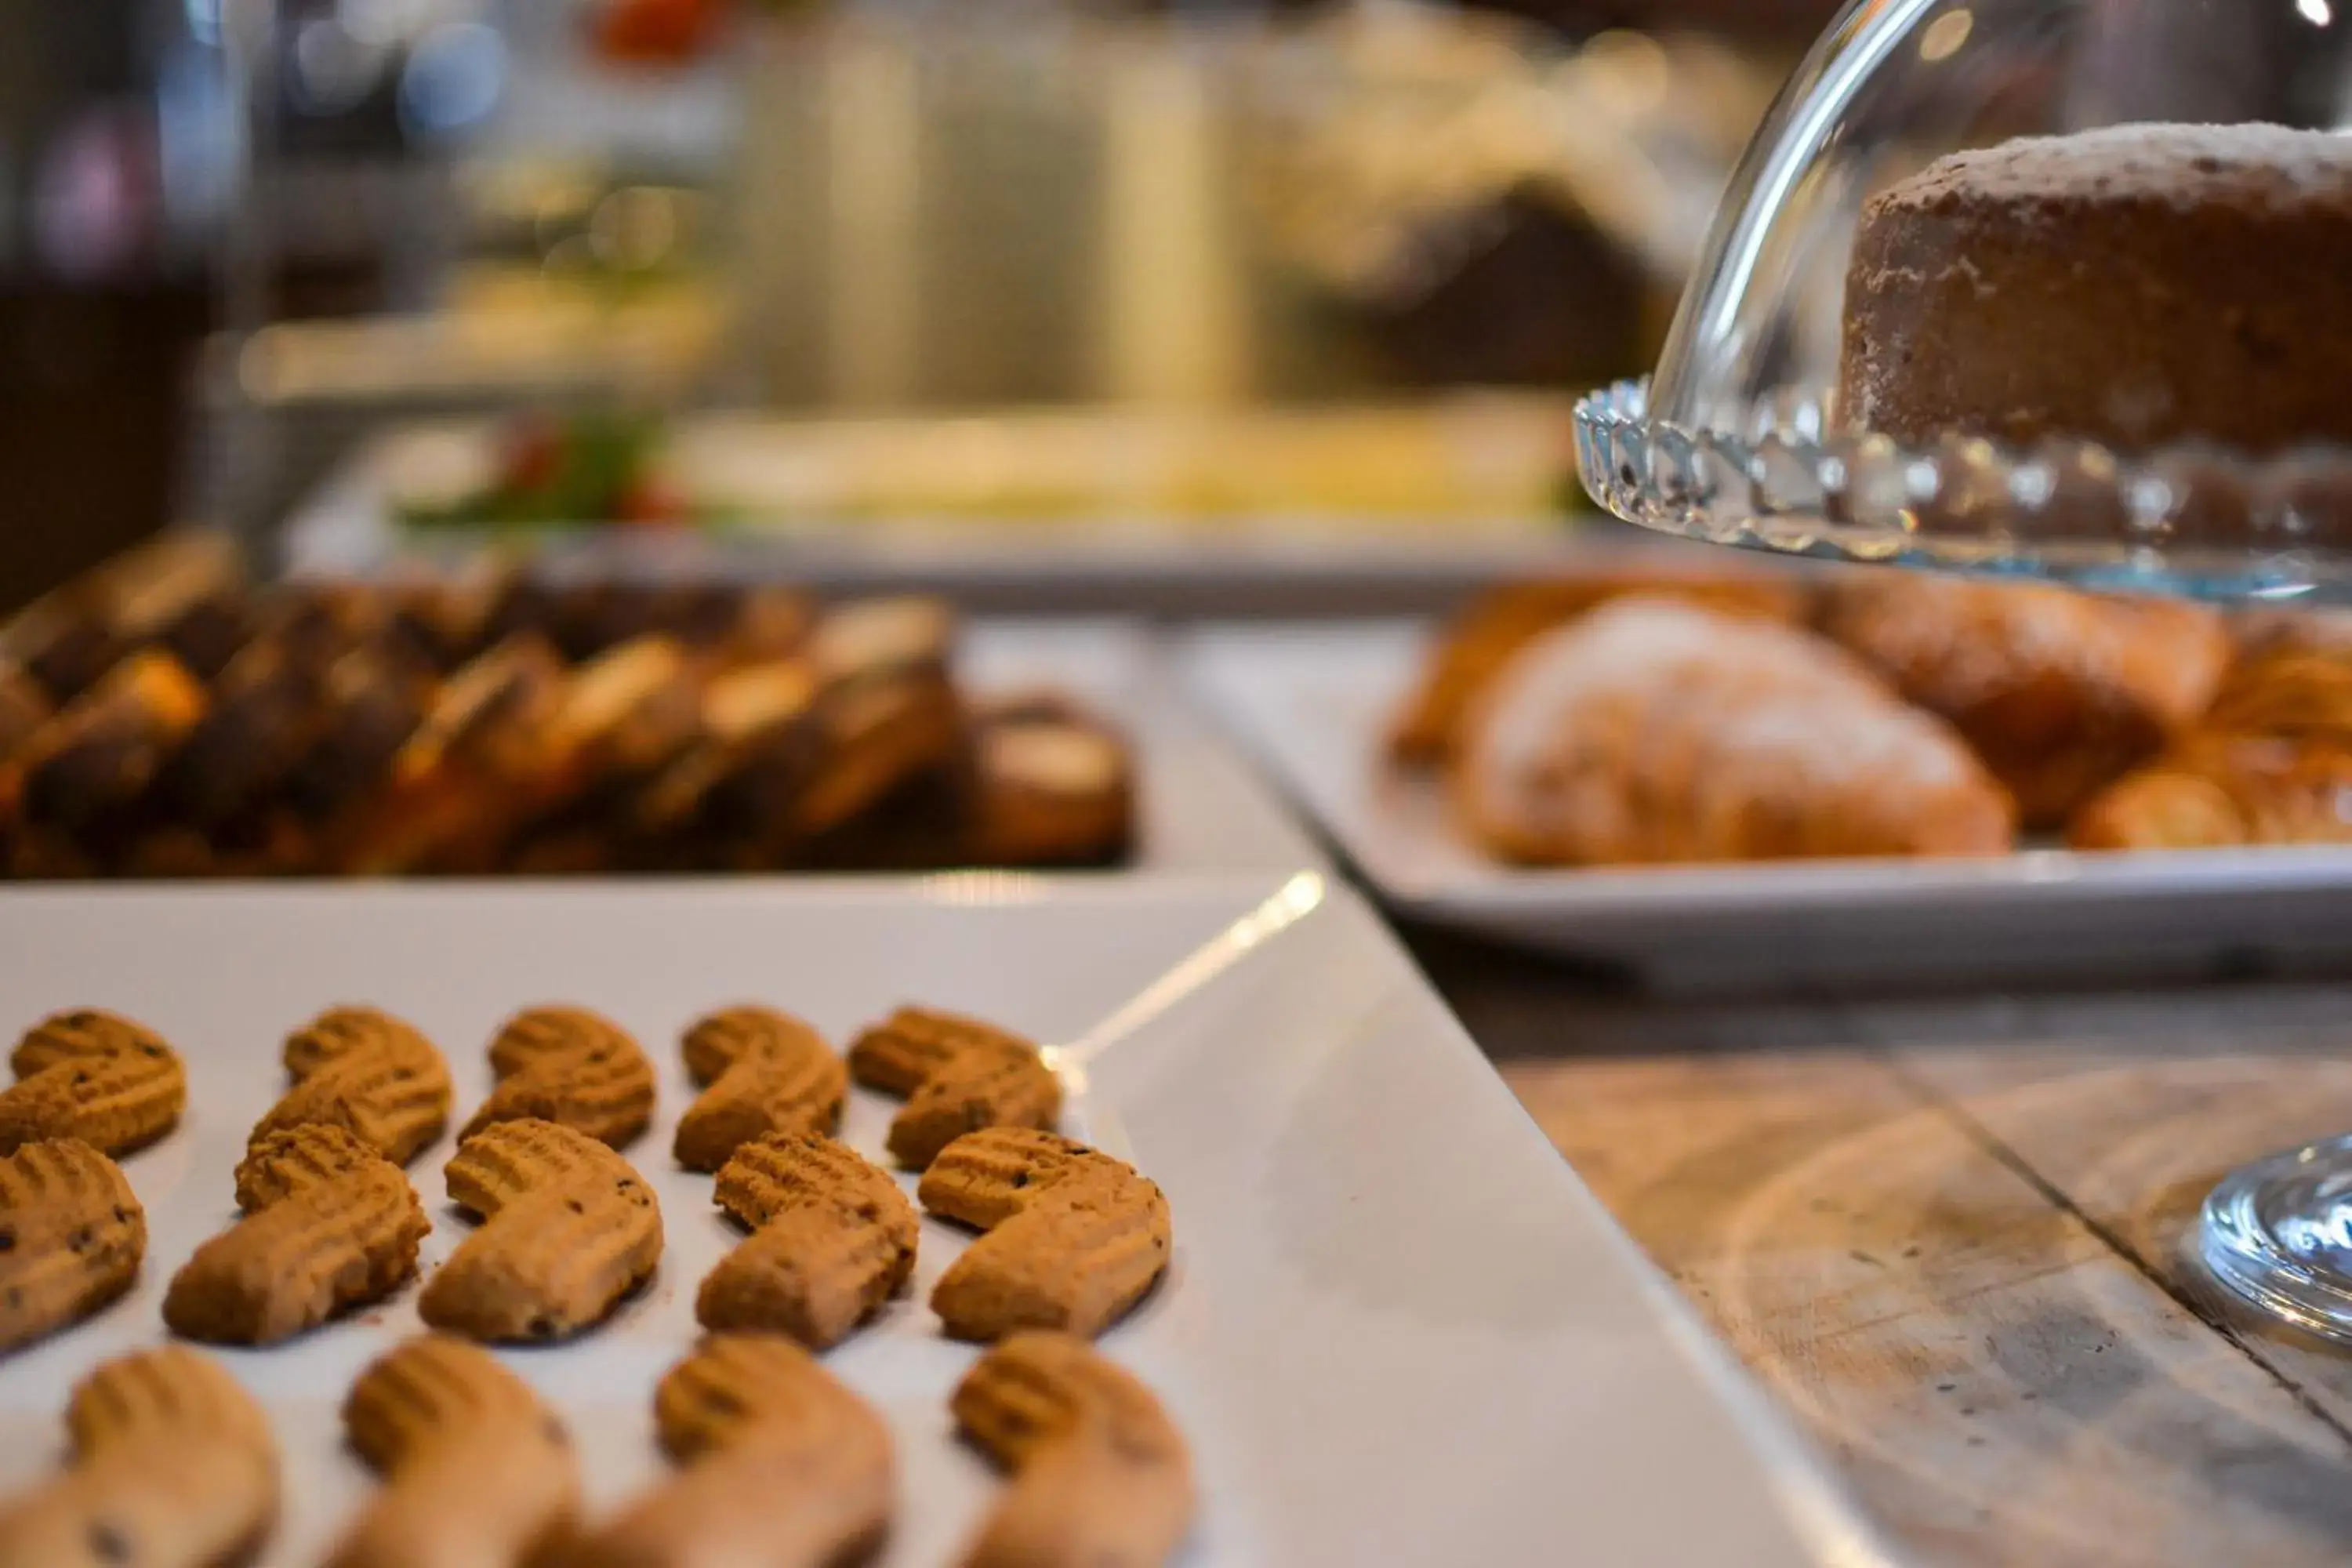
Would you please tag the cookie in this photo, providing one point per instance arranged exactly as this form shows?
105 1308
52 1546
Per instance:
1054 787
85 769
476 1470
766 1072
1074 1237
368 1073
957 1075
569 1066
71 1238
785 1466
1100 1474
832 1238
568 1229
173 1467
330 1225
85 1074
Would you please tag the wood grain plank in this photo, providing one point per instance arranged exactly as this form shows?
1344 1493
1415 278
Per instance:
1998 1384
2131 1109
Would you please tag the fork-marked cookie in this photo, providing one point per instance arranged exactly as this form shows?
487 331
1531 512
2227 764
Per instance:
1100 1474
569 1066
765 1072
1074 1237
957 1075
330 1225
832 1238
173 1467
478 1473
568 1229
785 1467
95 1075
369 1073
71 1238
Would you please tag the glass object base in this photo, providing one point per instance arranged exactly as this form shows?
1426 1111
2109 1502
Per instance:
2279 1234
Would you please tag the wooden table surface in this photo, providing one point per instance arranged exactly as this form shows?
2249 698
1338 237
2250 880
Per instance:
1947 1235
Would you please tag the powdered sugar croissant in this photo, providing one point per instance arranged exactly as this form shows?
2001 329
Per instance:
1655 730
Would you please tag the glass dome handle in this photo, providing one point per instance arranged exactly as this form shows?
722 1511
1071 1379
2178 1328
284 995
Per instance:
1715 350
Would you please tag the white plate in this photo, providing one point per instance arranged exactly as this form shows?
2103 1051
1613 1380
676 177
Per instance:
1203 808
1314 702
1396 1329
1093 563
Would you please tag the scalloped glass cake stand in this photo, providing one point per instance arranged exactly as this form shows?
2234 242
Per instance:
1734 439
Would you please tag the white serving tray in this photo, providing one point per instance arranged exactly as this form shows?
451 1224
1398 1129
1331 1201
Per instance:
1314 704
1090 562
1396 1328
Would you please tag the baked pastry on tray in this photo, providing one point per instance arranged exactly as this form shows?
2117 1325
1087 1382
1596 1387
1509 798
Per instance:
1655 730
2060 693
2227 791
1487 633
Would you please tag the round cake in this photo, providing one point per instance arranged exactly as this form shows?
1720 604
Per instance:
2135 286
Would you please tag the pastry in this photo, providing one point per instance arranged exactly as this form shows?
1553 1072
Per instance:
2222 790
173 1467
87 769
369 1073
957 1074
1073 1237
72 1236
2060 693
570 1066
1100 1474
1484 637
86 1074
785 1467
832 1239
568 1229
1052 787
2293 692
765 1072
330 1225
1652 730
478 1473
2134 285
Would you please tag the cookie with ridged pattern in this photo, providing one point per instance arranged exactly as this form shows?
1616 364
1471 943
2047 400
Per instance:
569 1066
173 1467
1100 1474
72 1236
476 1472
832 1239
369 1073
957 1075
95 1075
1073 1237
784 1466
568 1229
330 1225
764 1071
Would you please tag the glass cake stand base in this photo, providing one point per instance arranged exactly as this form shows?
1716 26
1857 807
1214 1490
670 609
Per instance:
2279 1233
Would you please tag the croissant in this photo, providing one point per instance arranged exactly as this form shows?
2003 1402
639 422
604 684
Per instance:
2225 791
2060 693
2292 692
1653 731
1485 635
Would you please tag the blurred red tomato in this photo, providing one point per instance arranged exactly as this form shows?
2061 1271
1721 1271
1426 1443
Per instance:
657 32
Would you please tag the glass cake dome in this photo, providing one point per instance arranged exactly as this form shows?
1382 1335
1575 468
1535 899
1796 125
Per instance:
1738 437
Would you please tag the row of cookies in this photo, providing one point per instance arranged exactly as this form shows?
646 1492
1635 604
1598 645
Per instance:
1071 1237
172 720
174 1465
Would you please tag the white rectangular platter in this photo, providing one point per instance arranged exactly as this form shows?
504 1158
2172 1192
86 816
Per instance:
1092 558
1314 704
1396 1329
